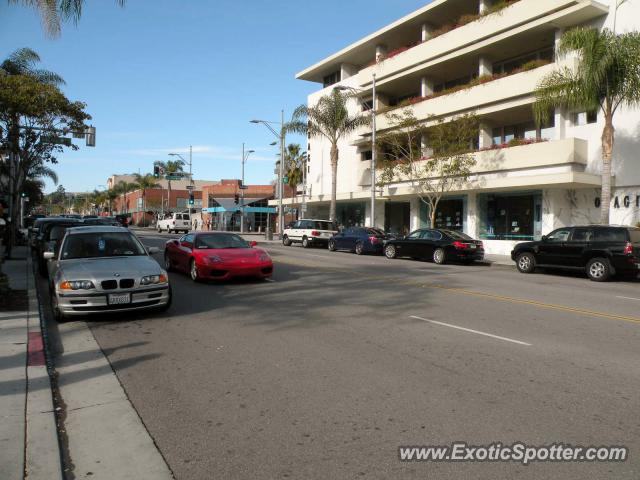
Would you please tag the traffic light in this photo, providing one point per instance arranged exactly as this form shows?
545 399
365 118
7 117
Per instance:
236 199
156 171
192 200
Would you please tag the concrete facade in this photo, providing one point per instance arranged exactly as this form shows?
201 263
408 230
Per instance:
517 192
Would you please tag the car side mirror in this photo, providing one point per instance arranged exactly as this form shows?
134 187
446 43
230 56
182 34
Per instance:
175 242
153 250
48 255
544 238
253 243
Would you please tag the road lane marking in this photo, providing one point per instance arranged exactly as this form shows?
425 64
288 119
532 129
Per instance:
628 298
270 280
477 332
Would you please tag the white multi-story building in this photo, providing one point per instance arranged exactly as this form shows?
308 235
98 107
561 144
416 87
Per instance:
519 192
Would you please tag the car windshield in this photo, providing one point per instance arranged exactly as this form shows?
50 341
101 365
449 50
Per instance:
102 244
220 241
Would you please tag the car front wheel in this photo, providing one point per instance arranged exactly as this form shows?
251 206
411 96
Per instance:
167 263
526 262
390 251
599 269
332 245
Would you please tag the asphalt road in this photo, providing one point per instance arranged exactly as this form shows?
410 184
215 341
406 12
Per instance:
325 371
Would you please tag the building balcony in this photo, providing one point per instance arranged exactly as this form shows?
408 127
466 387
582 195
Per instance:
500 94
521 19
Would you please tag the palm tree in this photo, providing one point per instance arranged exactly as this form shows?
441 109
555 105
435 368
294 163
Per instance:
607 77
23 62
171 167
330 119
145 182
295 162
53 11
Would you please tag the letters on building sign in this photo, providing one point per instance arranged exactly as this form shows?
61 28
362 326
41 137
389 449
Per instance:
626 201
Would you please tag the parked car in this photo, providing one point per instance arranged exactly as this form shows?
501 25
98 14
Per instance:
601 251
50 235
216 256
438 245
108 221
101 269
123 220
359 240
175 222
309 232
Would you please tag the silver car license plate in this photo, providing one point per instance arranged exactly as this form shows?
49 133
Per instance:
119 298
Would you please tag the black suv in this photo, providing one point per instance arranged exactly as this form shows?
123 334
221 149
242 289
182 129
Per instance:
600 250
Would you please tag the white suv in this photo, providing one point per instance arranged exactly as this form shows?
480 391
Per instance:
309 232
175 223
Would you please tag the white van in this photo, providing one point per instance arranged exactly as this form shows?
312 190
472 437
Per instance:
177 222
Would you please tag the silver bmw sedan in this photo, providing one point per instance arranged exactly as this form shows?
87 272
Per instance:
103 269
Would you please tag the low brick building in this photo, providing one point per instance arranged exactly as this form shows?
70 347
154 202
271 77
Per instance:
145 206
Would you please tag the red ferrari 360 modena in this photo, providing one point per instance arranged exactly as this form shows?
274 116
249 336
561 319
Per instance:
216 256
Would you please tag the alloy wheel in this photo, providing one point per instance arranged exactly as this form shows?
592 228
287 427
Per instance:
390 251
597 269
193 271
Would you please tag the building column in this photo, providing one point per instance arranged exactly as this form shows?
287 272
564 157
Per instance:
486 135
558 36
483 6
560 118
379 223
426 87
472 222
485 66
424 146
381 52
414 215
426 30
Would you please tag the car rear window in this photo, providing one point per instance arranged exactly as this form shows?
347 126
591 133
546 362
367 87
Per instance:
323 225
635 235
611 235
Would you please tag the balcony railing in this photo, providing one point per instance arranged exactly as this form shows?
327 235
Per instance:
516 18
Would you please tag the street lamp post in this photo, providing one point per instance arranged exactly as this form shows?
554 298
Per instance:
281 137
245 156
373 145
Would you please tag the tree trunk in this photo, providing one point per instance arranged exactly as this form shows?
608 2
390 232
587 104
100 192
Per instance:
334 181
432 216
607 149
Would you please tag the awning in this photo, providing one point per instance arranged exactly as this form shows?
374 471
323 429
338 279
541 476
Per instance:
237 209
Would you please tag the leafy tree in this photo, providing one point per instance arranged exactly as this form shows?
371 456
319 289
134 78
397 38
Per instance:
444 166
329 119
144 183
295 163
607 78
171 167
53 12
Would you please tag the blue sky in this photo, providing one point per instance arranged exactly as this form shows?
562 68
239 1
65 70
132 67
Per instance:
160 75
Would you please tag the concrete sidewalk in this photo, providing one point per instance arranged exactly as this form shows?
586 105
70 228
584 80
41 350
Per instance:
28 437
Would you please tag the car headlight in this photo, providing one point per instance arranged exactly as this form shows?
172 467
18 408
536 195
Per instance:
77 285
264 257
153 279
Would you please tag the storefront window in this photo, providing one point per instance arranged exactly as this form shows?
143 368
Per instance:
350 214
450 215
510 217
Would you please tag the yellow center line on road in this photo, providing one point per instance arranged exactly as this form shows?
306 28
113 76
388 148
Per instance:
462 291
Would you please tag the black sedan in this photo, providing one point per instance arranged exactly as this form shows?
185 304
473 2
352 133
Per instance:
359 240
438 245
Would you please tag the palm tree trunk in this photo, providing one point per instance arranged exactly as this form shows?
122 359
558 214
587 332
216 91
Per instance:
607 149
334 181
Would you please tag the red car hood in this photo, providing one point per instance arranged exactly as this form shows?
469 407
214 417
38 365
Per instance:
232 255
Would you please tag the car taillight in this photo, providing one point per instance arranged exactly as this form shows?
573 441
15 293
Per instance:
315 233
173 223
373 239
628 249
460 245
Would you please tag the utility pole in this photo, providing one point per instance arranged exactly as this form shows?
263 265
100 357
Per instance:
373 155
281 177
242 193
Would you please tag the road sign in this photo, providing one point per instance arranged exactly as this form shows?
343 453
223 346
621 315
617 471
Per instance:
173 177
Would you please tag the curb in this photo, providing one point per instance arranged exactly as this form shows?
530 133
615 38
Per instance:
42 448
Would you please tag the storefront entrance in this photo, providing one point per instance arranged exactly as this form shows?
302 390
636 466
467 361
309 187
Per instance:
397 217
510 216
